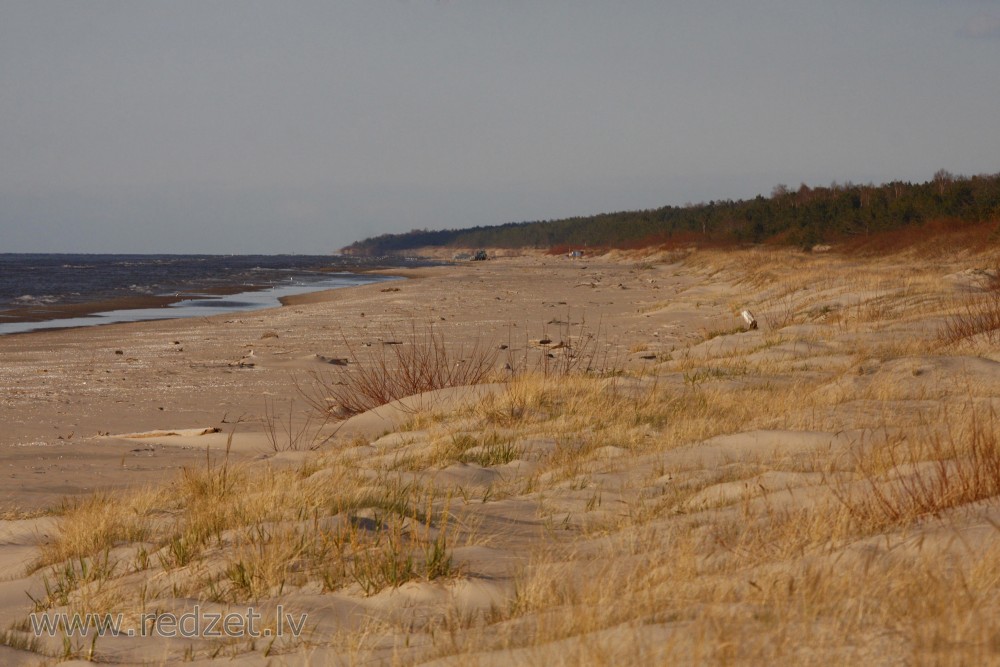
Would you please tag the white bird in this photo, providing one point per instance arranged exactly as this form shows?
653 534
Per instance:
249 359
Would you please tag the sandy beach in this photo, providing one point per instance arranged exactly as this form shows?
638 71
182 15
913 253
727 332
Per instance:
818 490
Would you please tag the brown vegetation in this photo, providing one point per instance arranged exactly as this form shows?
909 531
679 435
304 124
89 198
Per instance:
395 367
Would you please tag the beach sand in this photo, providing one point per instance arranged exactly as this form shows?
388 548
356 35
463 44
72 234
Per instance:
804 492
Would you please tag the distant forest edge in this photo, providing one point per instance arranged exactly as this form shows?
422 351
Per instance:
804 217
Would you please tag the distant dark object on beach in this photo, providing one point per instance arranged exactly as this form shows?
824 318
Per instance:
333 361
575 254
480 256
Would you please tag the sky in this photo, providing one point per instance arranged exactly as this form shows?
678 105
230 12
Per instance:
238 126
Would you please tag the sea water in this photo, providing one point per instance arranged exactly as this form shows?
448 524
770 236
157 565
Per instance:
40 287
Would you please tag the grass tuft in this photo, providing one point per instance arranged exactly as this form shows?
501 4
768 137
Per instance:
909 480
979 317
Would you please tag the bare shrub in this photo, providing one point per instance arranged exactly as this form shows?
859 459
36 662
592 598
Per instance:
284 434
781 314
394 368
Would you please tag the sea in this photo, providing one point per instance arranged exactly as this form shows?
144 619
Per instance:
45 291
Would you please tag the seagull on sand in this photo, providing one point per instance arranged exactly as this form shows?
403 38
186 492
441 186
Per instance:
249 360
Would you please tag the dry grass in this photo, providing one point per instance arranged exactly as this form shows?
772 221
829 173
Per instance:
569 348
229 534
915 478
744 589
95 524
747 586
628 548
978 318
773 578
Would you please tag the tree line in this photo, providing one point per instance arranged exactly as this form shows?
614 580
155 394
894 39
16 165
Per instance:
802 217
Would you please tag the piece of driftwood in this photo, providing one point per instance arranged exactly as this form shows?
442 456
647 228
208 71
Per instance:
187 432
749 319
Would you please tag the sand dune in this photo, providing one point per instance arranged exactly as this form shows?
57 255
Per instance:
640 481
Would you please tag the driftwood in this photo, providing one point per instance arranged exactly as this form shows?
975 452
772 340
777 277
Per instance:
749 319
187 433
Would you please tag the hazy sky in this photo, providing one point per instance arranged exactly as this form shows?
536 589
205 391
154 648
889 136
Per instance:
241 126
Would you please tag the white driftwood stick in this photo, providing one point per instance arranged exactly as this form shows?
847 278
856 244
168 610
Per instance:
749 319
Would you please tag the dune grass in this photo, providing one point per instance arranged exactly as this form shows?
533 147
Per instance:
879 548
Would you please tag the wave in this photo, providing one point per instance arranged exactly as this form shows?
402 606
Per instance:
32 300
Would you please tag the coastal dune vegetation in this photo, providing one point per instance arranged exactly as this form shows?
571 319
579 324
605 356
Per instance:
823 489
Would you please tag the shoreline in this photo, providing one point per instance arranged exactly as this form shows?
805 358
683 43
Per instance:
57 311
146 308
186 373
162 282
